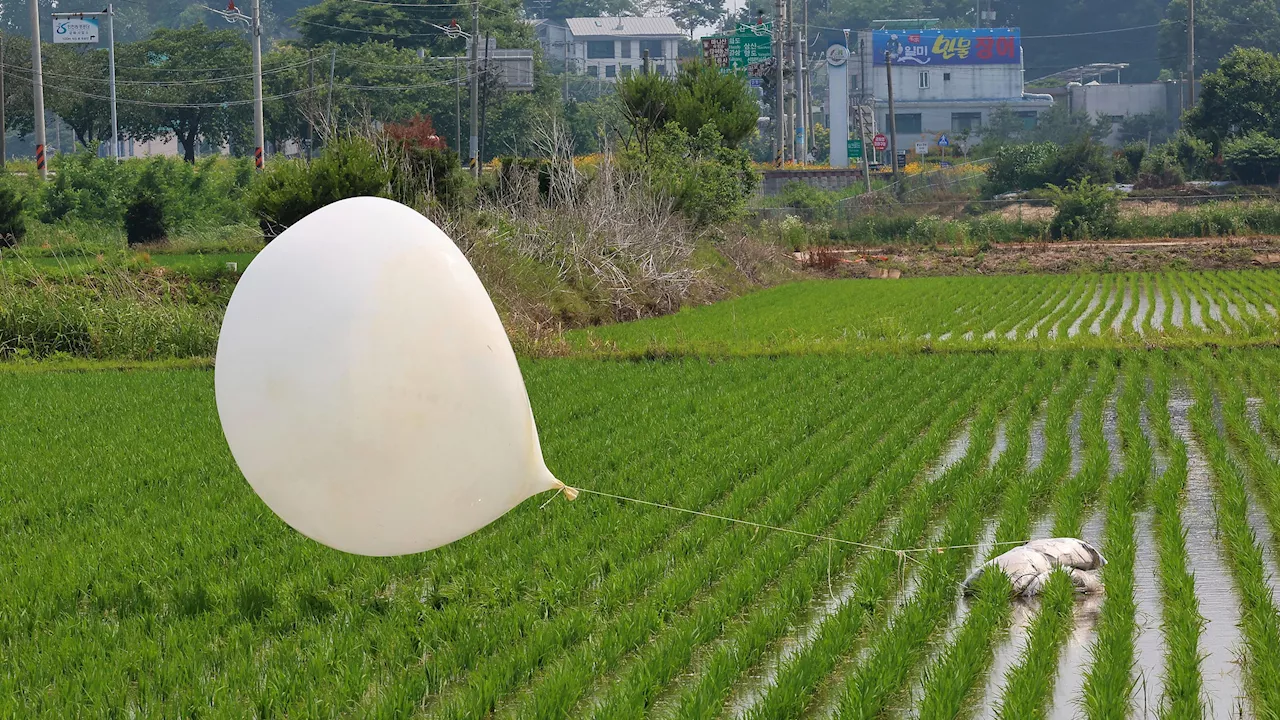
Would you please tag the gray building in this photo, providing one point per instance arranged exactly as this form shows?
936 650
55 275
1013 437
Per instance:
945 82
613 47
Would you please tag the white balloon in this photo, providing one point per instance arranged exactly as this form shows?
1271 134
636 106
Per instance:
367 388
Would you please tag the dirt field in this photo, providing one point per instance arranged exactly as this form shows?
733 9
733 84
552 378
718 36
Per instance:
1059 257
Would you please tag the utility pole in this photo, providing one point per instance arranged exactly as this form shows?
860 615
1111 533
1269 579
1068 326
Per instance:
311 85
791 96
259 142
893 118
457 107
799 89
862 136
3 101
37 90
475 88
328 113
806 96
778 54
111 58
1191 52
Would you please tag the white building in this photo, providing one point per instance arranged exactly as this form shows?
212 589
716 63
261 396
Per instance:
945 82
1114 102
613 47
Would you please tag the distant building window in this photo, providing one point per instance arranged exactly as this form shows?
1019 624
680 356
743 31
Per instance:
908 123
1029 119
946 77
610 71
654 48
962 121
599 49
626 48
593 70
625 70
924 79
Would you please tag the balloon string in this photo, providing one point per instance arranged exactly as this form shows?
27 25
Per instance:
902 553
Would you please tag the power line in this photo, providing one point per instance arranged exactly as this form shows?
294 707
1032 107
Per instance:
147 103
166 83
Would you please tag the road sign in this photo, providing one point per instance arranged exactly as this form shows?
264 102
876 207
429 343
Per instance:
752 53
75 30
755 82
749 29
880 142
944 141
944 164
855 148
922 148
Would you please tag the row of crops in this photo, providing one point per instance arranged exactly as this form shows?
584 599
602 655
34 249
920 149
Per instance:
1171 309
142 577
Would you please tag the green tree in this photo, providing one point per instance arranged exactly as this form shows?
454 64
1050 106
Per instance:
1238 98
693 14
195 107
1253 158
704 96
16 58
561 9
648 103
411 25
1221 26
79 91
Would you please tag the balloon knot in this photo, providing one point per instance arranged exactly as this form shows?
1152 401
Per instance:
570 494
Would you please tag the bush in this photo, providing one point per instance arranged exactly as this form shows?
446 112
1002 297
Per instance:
1019 167
1130 159
1085 210
1083 160
144 220
1160 169
289 190
1193 155
1253 159
705 180
13 224
798 194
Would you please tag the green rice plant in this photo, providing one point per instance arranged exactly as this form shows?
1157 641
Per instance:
633 625
955 674
1260 623
797 677
1109 681
806 577
897 651
1076 496
1182 623
1029 685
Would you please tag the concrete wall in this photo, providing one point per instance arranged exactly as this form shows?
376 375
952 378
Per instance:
824 179
1123 99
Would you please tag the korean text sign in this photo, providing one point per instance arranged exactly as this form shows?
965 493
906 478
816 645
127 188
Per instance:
984 46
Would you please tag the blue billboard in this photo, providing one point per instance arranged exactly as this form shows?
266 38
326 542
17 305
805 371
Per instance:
981 46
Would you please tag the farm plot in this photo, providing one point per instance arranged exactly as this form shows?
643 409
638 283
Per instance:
1167 309
143 578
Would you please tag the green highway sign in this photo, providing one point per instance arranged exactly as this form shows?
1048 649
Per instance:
855 148
750 52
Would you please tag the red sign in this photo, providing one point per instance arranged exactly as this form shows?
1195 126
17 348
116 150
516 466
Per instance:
880 142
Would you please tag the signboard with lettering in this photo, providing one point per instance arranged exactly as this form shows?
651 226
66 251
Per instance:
978 46
880 141
922 148
748 52
75 30
855 148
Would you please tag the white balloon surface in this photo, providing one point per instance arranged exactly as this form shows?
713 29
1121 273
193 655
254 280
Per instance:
367 388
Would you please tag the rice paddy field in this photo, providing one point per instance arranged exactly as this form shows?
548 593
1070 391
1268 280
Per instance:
1168 309
141 577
